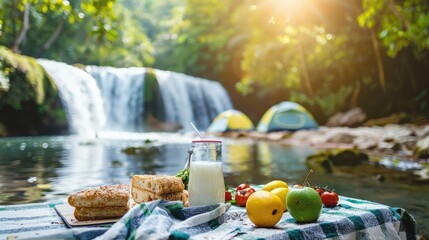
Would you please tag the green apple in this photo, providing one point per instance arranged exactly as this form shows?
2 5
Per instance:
304 204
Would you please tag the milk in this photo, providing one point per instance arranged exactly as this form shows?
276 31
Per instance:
206 183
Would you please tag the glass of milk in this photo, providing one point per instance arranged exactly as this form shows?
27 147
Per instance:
206 183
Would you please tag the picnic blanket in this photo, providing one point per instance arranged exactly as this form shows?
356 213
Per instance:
351 219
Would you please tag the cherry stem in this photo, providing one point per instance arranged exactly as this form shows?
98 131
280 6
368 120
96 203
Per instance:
305 179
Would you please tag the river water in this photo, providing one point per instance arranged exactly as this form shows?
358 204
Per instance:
40 169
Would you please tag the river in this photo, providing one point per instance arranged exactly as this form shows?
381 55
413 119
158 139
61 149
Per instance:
41 169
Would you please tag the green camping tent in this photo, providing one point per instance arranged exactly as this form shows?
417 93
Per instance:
286 116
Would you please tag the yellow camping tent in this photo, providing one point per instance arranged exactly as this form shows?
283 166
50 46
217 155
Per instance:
230 120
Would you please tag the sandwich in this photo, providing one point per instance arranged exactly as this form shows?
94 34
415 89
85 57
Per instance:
99 213
101 203
158 184
146 188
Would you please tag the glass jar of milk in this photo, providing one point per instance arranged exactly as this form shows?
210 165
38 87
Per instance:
206 183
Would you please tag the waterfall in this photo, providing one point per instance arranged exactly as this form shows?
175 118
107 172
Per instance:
122 90
80 96
188 98
122 99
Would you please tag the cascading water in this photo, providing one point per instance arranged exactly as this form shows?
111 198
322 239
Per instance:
120 99
80 95
191 99
122 90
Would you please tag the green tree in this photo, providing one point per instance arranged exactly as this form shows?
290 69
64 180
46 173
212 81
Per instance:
129 47
84 31
306 53
153 20
202 37
317 53
402 27
399 24
48 19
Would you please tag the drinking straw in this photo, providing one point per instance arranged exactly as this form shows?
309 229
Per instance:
188 160
196 130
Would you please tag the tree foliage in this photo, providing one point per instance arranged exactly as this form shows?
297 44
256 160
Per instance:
85 31
329 55
42 17
399 24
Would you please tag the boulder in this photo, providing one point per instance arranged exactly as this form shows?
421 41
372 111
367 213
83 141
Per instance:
29 99
147 150
422 148
366 143
397 118
276 136
328 160
352 118
348 158
341 137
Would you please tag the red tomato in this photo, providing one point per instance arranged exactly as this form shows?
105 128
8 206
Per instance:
243 186
242 196
330 199
228 196
320 191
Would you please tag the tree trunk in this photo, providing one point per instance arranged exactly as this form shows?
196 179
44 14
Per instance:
53 37
25 26
377 52
355 96
305 74
378 59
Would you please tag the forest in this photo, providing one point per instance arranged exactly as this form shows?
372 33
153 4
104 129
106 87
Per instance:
96 92
329 55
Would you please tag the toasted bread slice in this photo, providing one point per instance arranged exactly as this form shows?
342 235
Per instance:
185 198
139 195
158 184
97 213
104 196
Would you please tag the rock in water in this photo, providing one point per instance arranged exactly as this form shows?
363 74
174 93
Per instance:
348 158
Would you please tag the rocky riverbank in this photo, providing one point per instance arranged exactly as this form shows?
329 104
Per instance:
410 141
401 148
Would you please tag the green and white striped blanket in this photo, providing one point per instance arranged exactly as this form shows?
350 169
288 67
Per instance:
352 219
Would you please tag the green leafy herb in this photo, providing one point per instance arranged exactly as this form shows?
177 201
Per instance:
184 175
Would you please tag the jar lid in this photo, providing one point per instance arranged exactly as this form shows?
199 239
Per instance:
207 140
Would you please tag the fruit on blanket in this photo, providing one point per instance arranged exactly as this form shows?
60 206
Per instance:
243 195
228 196
329 198
319 190
264 209
243 186
304 204
282 194
274 184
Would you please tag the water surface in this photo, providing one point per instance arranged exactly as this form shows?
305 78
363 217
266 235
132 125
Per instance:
40 169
